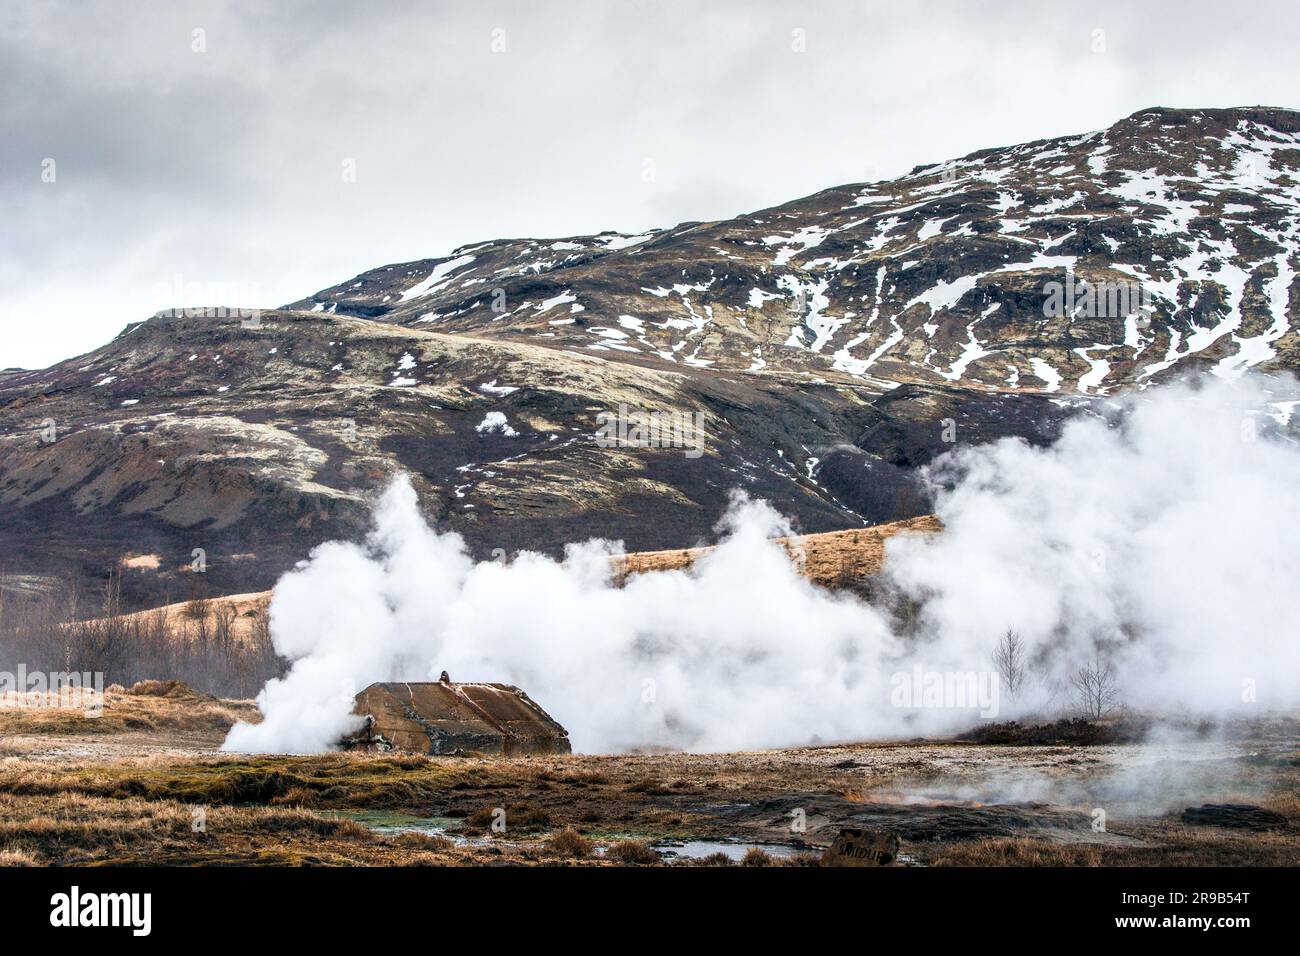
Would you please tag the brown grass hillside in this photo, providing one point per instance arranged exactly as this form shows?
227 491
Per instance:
833 559
244 615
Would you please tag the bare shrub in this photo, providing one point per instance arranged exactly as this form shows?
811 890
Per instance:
714 859
801 859
568 843
1009 659
1095 688
632 853
197 609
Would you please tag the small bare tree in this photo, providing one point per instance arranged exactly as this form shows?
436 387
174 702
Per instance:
1009 659
1095 688
197 608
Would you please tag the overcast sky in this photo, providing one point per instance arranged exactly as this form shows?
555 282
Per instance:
221 158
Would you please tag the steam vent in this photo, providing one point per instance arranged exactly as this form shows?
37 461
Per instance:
447 718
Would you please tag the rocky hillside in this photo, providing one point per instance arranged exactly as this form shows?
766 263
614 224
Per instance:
938 277
825 348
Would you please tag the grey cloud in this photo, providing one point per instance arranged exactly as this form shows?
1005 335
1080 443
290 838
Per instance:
225 165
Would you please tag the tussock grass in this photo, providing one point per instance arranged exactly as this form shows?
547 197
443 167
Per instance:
74 828
595 779
12 857
1169 844
519 818
632 853
568 843
1018 851
432 842
1181 845
1287 804
332 781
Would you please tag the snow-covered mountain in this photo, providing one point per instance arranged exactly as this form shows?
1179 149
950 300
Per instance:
944 275
827 347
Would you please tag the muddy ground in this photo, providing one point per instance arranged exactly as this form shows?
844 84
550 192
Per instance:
163 793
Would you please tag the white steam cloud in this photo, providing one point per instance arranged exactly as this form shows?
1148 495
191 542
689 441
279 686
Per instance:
1163 541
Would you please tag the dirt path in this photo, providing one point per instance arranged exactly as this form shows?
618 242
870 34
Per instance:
108 748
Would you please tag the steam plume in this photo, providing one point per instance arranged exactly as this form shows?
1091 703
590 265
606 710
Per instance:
1162 539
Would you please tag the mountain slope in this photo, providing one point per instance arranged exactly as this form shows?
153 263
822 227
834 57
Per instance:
255 444
940 276
830 347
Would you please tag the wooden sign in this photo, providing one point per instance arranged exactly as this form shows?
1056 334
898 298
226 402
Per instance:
862 848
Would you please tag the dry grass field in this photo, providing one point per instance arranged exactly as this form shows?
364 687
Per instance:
159 707
148 785
143 781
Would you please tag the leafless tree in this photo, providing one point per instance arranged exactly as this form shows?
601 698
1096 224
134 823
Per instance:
223 619
1009 659
43 631
197 608
1095 688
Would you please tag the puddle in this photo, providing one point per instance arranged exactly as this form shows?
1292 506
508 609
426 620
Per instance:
387 823
699 849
